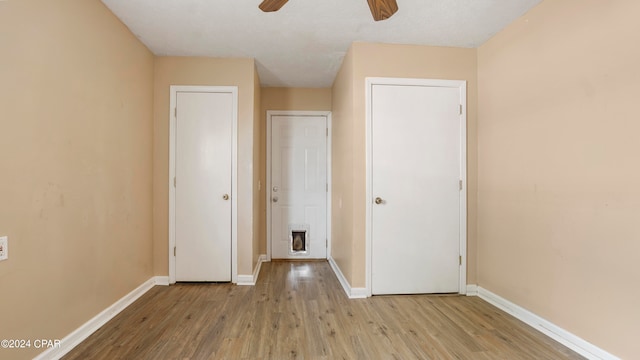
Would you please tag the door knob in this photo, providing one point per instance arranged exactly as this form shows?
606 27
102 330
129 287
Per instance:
379 200
275 199
225 197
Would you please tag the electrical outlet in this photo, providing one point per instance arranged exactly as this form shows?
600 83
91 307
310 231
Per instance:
4 248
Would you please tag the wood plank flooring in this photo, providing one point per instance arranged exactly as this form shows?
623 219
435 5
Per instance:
298 310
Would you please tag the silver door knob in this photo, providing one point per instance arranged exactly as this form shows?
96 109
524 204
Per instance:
379 200
275 199
225 197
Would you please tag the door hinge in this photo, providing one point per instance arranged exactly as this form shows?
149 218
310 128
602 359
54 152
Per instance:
460 185
327 132
460 258
327 187
326 243
174 251
175 112
174 181
460 109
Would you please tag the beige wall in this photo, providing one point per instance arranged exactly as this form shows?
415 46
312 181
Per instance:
211 72
75 152
342 173
303 99
386 60
559 202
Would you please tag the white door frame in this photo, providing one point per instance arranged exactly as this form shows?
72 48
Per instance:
460 84
174 90
270 114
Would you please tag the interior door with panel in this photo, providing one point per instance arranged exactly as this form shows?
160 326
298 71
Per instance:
415 183
203 165
298 194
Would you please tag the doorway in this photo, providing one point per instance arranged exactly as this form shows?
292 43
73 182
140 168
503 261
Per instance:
202 184
416 186
298 186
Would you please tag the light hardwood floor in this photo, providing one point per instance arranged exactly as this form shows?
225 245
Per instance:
298 310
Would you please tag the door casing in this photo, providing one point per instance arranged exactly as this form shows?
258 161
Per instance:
174 90
462 86
270 114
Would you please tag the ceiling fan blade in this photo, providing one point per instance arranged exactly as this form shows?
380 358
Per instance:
382 9
272 5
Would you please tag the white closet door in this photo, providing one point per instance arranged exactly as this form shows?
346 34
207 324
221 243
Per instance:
415 186
203 186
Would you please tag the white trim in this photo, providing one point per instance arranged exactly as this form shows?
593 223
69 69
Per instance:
472 290
462 85
352 293
546 327
271 113
358 293
161 280
174 89
329 182
84 331
252 279
268 184
463 191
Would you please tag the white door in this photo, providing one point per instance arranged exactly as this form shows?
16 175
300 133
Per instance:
203 156
298 194
416 174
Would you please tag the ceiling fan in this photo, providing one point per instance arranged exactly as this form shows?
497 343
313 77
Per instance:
380 9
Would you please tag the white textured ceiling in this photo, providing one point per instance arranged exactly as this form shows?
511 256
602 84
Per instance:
303 44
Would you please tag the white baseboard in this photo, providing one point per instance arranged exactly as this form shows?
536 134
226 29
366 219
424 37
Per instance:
352 293
472 290
252 279
161 280
80 334
553 331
